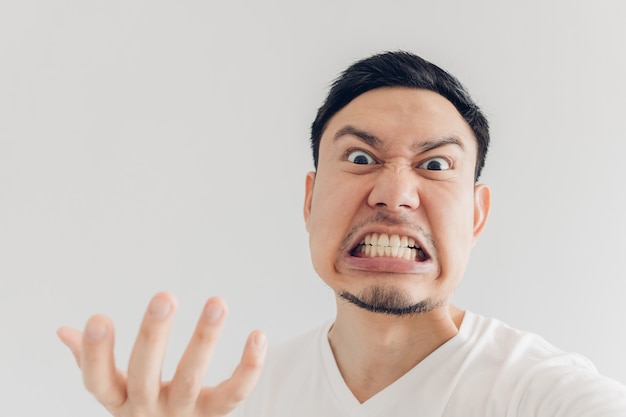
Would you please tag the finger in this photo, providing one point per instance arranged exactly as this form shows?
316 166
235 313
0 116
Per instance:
98 364
72 338
222 399
146 359
187 381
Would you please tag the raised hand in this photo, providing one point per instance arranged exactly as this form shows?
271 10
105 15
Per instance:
140 391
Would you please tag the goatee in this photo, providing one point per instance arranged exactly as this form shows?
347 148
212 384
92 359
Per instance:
389 301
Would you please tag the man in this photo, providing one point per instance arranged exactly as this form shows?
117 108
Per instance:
392 211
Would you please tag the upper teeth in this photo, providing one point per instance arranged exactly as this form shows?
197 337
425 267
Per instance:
382 244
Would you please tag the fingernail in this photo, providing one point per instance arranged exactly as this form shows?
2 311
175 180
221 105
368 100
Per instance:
159 309
260 341
95 331
213 312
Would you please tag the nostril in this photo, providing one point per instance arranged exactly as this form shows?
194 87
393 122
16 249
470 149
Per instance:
394 194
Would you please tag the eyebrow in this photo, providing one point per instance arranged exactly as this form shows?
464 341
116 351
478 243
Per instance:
376 142
366 137
437 143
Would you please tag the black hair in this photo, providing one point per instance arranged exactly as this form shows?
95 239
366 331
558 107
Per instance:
400 69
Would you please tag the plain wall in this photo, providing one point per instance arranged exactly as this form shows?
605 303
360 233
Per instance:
163 145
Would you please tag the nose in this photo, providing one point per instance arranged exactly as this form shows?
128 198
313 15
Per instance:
395 188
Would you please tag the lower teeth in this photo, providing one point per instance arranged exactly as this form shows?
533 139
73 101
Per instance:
410 254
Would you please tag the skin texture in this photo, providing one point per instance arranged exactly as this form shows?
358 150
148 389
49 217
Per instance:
401 130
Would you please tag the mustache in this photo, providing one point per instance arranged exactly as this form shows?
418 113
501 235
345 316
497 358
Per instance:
383 219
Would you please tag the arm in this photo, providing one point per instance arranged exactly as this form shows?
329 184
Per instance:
140 391
570 392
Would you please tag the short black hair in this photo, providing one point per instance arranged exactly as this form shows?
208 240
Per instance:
400 69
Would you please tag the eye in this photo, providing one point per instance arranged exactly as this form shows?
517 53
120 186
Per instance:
360 157
435 164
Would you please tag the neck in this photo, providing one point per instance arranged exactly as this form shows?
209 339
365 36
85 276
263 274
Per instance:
373 350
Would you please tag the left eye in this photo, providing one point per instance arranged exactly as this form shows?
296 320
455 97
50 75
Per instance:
435 164
360 158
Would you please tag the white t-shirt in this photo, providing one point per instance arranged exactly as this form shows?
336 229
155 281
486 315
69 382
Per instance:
487 370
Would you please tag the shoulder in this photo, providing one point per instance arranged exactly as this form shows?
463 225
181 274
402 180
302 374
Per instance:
514 357
501 342
536 377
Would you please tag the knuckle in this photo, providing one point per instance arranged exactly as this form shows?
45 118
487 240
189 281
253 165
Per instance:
148 335
236 397
205 335
188 383
252 362
138 393
219 403
91 387
104 395
95 387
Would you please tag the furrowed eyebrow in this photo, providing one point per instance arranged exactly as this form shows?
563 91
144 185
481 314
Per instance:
437 143
361 134
376 142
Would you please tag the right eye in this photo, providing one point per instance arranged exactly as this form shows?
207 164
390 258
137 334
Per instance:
360 158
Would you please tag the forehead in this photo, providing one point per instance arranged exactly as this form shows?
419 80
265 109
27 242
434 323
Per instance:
395 114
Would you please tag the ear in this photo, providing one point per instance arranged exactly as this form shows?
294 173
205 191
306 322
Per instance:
482 204
308 197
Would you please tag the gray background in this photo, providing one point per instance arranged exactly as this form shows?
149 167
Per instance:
162 145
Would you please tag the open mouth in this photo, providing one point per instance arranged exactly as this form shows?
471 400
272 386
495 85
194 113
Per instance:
376 245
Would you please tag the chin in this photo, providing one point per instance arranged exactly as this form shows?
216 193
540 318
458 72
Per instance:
390 300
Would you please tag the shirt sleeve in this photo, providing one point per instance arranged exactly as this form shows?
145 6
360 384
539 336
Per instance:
561 391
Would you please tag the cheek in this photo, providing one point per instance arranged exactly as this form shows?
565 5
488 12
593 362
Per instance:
452 232
452 224
332 203
323 216
333 208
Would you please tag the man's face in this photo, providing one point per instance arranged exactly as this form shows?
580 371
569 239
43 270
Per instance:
393 211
